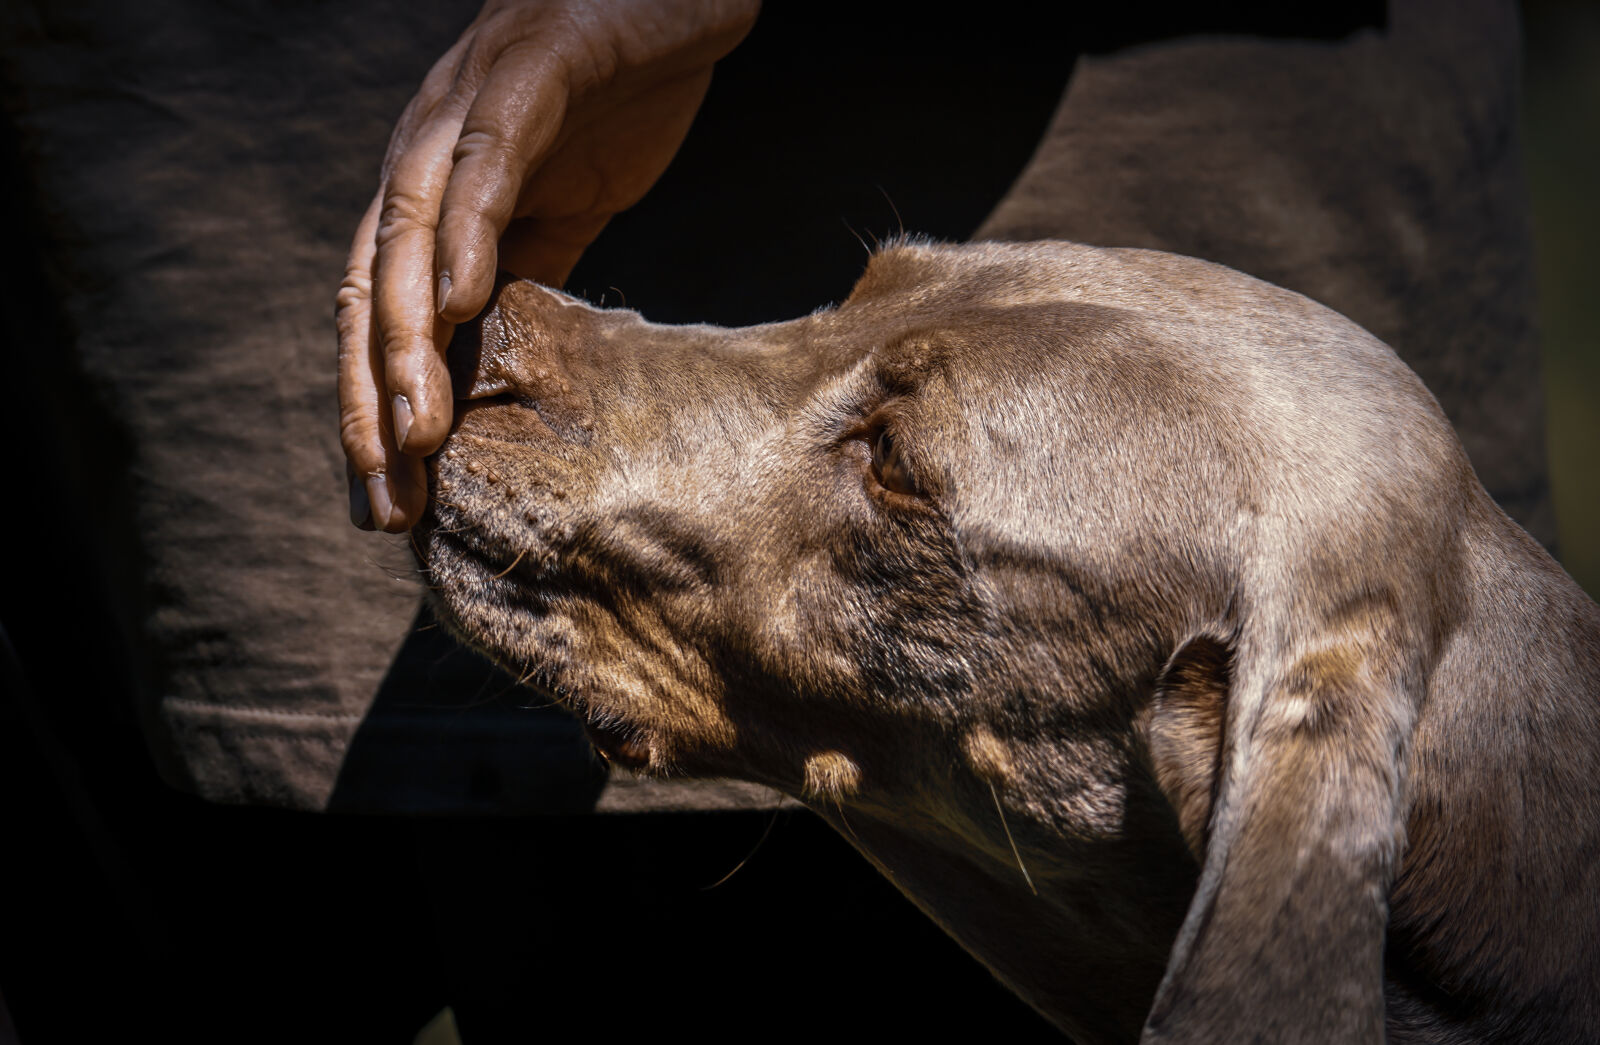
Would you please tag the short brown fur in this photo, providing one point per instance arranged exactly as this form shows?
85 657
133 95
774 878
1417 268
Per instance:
1198 614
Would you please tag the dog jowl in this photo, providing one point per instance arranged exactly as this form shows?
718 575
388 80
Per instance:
1144 621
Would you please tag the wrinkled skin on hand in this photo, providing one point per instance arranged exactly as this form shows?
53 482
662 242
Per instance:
544 120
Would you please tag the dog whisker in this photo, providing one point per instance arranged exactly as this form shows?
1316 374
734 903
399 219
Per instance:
858 237
899 222
1026 877
738 866
513 565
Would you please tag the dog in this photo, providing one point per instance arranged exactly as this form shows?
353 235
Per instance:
1145 623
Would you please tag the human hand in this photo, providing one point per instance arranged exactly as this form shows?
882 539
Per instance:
545 119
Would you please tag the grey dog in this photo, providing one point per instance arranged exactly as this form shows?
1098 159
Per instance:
1144 622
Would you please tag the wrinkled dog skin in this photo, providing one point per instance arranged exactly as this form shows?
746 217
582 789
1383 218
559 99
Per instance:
1175 580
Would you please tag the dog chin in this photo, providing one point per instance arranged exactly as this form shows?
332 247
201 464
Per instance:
469 598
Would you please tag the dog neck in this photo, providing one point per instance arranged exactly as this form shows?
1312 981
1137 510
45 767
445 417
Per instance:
1079 925
1505 804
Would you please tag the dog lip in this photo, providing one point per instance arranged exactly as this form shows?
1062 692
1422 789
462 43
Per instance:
618 746
481 554
555 425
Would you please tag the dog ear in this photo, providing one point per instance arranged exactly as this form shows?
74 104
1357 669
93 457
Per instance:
1283 758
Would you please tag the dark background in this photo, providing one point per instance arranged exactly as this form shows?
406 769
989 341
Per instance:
126 908
1561 105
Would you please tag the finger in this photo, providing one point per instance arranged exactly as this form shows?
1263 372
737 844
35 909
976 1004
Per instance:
360 503
509 129
449 75
408 486
388 490
360 381
410 337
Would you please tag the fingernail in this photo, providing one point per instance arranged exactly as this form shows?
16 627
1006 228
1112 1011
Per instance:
443 297
378 498
360 507
402 421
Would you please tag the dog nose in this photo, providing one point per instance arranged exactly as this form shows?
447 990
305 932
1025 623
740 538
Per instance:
477 353
513 348
469 377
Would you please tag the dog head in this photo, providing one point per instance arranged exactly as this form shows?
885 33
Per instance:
1088 583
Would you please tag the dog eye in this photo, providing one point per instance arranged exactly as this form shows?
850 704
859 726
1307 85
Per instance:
890 468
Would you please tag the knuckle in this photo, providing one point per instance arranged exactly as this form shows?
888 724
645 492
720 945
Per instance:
482 52
404 211
359 437
486 146
409 369
398 347
355 290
